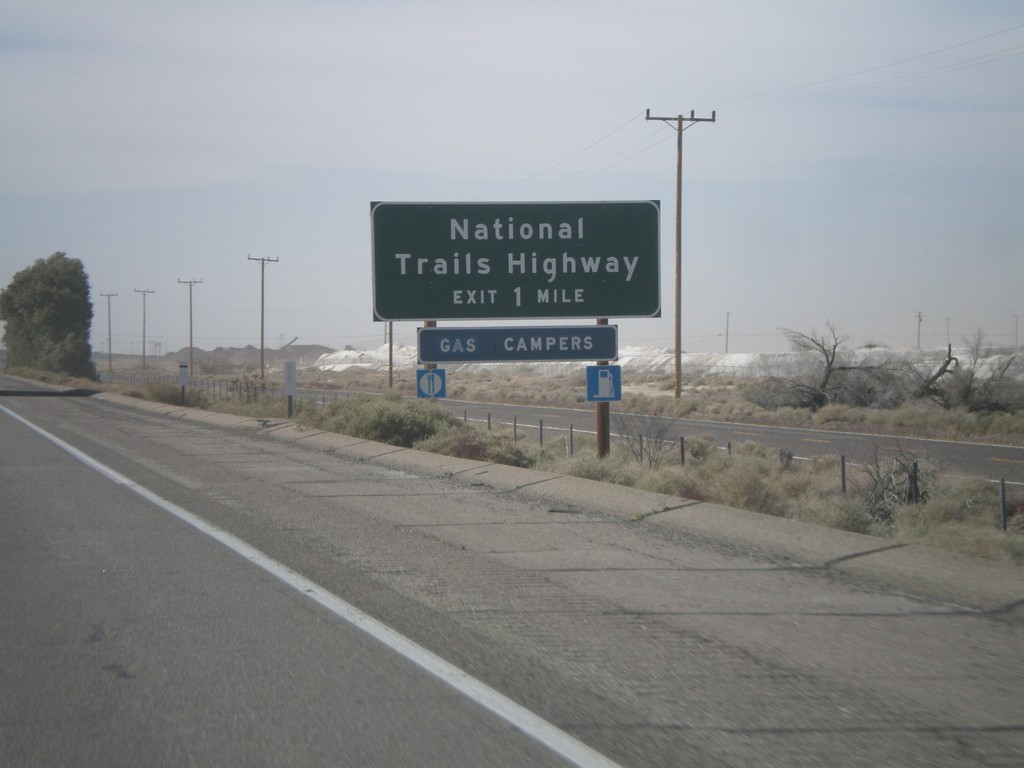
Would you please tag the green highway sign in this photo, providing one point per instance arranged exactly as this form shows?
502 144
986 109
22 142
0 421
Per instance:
495 261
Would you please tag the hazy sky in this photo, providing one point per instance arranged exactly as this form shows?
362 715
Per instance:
867 163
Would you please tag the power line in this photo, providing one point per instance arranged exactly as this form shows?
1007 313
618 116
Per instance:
878 68
570 157
912 76
596 168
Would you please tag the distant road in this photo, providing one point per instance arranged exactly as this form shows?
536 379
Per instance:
964 459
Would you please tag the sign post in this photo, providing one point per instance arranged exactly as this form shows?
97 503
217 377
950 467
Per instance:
501 261
289 384
603 414
183 379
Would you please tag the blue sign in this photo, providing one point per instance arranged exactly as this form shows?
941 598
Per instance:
604 383
500 345
430 383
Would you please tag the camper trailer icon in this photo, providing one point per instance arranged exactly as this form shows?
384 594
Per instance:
604 383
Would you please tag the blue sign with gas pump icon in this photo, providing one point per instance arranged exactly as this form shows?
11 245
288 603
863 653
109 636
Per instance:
604 383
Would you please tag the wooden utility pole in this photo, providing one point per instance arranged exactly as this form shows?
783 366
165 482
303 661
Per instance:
190 283
110 354
144 292
677 123
263 270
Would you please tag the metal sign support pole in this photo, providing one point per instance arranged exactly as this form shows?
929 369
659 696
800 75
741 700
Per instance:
603 413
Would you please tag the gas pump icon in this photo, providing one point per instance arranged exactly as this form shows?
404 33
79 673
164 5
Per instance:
604 383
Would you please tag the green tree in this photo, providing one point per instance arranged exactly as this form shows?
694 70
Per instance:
47 315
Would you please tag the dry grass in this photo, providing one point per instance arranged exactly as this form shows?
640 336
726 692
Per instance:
961 517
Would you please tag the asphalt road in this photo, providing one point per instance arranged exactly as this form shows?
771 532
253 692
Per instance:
132 636
131 639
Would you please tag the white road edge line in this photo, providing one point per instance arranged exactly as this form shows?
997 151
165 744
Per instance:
556 740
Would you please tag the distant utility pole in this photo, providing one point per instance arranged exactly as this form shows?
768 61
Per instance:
727 332
144 292
677 123
190 283
920 317
263 270
110 354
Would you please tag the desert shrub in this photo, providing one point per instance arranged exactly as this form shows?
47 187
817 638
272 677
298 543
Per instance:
869 387
836 413
467 442
773 394
700 447
387 419
747 483
263 406
973 502
170 393
248 388
606 470
833 510
969 539
667 480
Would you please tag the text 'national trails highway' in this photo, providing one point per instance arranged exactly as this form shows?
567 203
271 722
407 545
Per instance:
438 261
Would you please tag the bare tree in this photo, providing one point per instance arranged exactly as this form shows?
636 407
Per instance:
816 388
928 384
999 390
646 434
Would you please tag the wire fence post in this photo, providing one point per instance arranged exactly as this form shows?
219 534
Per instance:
1002 504
842 474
